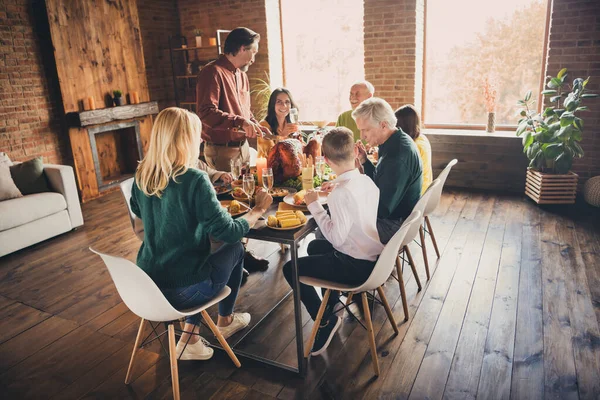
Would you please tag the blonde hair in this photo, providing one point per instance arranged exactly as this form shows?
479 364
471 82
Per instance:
174 147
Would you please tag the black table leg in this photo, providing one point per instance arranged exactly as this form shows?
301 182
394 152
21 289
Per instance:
298 311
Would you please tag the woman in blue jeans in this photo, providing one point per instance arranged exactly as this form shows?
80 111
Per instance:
180 211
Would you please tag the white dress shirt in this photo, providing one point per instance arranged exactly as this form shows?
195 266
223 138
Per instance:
352 227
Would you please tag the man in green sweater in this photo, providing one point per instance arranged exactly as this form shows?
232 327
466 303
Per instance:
399 172
359 92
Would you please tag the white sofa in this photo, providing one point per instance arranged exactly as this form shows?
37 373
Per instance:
36 217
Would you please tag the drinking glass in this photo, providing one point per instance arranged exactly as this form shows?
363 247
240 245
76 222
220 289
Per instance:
267 178
236 168
249 186
294 115
320 166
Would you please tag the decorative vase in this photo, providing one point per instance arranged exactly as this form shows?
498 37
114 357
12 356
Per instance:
198 41
545 188
491 123
118 101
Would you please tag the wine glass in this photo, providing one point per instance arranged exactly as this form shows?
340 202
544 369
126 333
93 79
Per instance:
249 186
236 168
267 178
320 166
294 116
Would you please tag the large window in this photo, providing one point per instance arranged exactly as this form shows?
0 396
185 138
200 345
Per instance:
323 51
471 42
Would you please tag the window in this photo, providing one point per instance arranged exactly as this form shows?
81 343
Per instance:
469 42
323 51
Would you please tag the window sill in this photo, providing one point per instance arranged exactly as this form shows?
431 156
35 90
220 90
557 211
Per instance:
471 132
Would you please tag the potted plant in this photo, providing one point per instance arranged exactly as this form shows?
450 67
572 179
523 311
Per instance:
198 33
551 139
118 98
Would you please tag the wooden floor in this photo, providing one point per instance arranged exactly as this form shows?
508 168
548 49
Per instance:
511 311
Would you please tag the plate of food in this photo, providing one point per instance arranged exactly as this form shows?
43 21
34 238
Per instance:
297 199
286 220
237 183
239 194
235 208
282 191
222 189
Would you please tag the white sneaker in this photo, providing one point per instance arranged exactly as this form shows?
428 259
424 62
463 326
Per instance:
240 321
197 351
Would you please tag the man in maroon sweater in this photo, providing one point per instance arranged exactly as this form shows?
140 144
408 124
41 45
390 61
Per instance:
223 105
223 101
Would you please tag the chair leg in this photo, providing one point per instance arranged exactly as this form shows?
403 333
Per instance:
220 338
430 230
315 328
173 360
282 247
371 333
388 310
402 289
349 299
136 347
424 250
412 267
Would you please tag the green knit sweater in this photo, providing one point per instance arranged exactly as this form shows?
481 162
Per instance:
177 227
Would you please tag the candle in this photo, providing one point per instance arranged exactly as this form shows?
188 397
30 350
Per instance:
91 104
135 98
261 163
212 41
307 177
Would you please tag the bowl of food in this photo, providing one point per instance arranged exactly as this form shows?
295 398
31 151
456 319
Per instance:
286 220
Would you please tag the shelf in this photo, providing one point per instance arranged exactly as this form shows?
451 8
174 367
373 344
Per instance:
195 48
104 115
187 103
186 76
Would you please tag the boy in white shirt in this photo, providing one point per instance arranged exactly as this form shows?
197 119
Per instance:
352 244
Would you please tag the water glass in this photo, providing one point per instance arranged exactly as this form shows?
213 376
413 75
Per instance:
236 168
294 116
267 178
320 166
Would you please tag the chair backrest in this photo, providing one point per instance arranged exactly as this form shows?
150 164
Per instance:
420 206
138 291
253 155
384 266
436 195
136 223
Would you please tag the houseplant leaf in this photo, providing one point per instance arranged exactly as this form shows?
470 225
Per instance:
552 150
562 73
549 91
588 96
563 163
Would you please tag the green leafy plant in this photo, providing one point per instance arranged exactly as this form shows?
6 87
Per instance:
551 138
198 32
261 90
117 93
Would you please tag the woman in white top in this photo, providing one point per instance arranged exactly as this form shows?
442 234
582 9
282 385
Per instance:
352 243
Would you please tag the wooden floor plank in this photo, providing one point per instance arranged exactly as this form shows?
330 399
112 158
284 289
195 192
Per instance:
528 365
589 244
496 369
18 317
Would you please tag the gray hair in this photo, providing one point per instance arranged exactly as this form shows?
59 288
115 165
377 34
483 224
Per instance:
376 110
366 84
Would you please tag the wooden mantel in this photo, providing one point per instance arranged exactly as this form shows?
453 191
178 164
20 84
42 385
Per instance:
102 116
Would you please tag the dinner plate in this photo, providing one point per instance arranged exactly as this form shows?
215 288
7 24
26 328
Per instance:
222 189
287 190
289 228
244 208
289 199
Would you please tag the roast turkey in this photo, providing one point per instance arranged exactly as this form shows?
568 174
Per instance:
312 148
285 160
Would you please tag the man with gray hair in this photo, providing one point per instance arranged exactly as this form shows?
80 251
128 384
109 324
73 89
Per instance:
399 172
359 92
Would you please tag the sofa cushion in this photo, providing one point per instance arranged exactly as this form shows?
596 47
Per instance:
16 212
8 189
29 176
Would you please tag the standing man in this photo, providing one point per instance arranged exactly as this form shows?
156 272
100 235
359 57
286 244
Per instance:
359 92
223 101
399 172
223 105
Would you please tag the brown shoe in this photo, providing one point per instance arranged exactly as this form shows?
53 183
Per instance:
253 264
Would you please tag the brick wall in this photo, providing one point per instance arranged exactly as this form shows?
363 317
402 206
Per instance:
159 19
30 102
575 44
211 15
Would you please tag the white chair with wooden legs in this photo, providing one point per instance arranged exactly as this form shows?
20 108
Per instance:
136 223
141 295
434 201
381 272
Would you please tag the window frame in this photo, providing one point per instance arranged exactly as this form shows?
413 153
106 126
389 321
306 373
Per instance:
510 127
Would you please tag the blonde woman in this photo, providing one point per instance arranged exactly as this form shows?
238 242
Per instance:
180 211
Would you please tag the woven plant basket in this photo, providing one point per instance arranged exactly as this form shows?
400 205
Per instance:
591 191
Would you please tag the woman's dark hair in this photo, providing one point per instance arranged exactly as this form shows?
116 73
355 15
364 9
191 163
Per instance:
238 38
409 120
271 117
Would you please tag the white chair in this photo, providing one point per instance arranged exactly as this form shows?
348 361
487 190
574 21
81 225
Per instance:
434 201
141 295
381 272
136 223
253 155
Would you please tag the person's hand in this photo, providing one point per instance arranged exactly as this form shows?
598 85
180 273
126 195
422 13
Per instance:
289 129
251 129
264 130
358 165
226 178
327 187
311 196
263 200
362 152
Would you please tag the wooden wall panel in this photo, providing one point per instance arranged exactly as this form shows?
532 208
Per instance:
490 162
98 48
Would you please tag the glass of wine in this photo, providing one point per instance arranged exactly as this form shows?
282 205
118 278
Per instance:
294 116
236 168
249 186
267 178
320 166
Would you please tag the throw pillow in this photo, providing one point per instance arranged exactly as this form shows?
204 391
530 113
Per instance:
29 176
8 189
4 159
